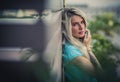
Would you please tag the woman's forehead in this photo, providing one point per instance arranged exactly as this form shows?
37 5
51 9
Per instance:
76 18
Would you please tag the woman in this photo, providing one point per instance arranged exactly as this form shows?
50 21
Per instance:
79 62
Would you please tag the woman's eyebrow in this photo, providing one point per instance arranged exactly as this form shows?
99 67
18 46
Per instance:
78 21
75 22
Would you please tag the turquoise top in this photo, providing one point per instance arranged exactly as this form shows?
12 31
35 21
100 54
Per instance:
71 72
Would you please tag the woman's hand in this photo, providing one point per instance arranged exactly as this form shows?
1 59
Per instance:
87 39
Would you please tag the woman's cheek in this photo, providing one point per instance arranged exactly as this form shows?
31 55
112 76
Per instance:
74 30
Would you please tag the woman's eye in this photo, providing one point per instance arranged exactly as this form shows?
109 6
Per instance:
82 22
74 24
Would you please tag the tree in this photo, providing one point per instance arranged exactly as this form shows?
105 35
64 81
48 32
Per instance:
103 26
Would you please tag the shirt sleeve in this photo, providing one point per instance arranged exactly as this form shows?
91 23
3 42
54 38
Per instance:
70 52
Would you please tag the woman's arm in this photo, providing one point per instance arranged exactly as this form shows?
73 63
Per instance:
83 63
95 59
87 42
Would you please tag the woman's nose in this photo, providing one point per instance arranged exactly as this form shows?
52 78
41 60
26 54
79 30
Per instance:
80 27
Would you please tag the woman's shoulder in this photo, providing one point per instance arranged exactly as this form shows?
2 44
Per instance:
70 51
68 45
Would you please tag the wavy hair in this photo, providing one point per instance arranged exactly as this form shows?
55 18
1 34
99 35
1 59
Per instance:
67 31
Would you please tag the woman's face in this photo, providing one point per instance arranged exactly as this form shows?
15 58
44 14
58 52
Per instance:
78 26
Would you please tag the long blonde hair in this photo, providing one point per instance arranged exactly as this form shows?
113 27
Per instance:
67 32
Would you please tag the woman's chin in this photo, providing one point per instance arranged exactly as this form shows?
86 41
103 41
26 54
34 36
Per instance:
82 36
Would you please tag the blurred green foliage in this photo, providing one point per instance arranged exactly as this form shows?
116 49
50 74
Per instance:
106 22
103 26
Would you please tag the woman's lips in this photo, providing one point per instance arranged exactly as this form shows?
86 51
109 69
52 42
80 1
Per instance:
81 32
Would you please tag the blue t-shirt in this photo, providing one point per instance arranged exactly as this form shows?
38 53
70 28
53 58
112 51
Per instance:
71 72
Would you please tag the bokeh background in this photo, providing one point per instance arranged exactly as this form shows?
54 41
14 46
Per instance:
20 30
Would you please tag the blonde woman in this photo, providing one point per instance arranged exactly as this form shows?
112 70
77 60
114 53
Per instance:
79 62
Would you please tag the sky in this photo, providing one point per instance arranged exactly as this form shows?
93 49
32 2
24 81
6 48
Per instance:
95 3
